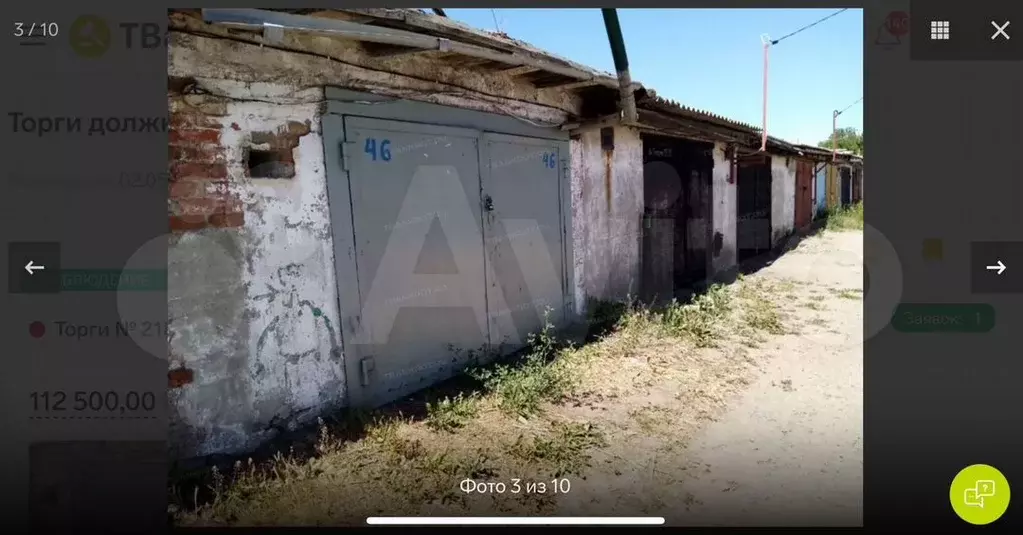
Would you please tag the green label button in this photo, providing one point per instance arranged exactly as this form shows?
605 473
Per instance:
943 318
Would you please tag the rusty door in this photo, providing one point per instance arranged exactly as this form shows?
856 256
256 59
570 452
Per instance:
677 220
857 185
804 194
833 187
662 190
753 207
846 185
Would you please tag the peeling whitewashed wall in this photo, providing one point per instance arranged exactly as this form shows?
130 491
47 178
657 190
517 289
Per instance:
252 302
723 194
607 211
783 197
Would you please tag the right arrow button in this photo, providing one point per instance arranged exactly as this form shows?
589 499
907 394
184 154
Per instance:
998 267
991 267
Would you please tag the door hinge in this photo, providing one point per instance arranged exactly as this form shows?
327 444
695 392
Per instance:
344 151
366 368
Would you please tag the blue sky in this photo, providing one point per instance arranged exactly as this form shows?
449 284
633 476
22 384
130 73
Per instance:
712 59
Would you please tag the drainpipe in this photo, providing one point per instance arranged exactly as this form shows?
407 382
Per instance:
614 37
766 39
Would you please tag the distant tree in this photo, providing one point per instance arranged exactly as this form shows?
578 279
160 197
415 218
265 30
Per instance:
848 138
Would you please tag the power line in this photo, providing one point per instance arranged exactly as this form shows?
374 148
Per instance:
768 43
849 106
808 26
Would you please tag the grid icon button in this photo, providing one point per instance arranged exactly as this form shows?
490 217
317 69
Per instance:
940 30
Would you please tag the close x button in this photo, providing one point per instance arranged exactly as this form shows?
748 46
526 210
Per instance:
996 267
33 267
1001 30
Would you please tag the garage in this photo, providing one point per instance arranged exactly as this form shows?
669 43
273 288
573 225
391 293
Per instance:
449 230
847 187
857 184
677 217
804 194
753 206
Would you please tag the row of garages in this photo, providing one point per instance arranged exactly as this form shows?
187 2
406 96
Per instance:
394 196
765 196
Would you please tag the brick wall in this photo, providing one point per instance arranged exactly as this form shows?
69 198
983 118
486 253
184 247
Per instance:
201 193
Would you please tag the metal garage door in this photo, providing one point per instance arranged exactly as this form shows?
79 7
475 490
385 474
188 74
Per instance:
416 215
822 191
833 187
753 207
524 246
803 194
450 241
846 183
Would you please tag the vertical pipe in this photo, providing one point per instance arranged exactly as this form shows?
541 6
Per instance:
763 135
614 37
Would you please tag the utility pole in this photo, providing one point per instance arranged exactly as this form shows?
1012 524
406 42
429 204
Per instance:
834 128
766 39
834 135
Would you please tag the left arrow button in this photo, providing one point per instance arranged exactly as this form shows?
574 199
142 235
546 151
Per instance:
31 267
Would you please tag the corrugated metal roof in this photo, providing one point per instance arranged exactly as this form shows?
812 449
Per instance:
748 134
826 152
668 105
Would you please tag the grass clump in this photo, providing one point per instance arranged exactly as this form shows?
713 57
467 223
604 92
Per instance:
762 315
564 448
698 320
522 388
854 294
845 218
759 309
449 414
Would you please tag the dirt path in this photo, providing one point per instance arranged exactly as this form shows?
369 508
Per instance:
761 430
790 451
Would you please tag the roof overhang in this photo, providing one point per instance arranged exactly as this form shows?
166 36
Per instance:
392 32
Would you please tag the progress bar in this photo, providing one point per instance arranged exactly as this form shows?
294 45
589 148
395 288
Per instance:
515 521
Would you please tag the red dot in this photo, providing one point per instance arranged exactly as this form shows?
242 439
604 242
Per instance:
898 23
37 329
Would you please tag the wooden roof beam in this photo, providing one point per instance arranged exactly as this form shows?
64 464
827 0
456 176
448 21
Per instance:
569 85
521 70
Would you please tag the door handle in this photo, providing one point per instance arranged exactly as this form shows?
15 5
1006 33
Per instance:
488 203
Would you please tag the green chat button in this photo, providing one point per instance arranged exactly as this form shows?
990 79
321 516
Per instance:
943 318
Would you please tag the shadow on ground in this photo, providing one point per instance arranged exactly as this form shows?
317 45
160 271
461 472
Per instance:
758 263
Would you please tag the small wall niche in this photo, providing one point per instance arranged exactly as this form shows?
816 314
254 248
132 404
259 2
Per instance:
276 164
